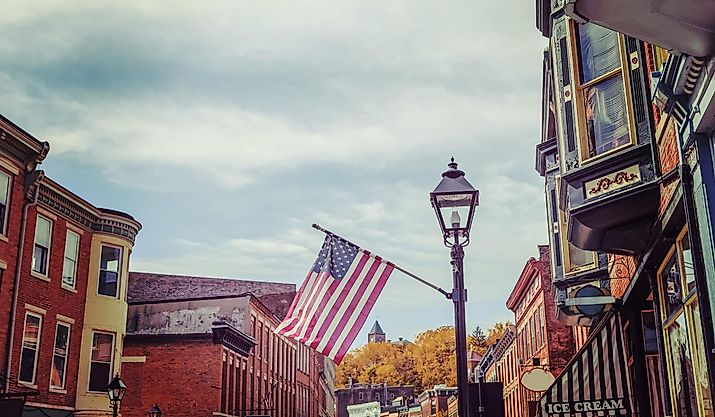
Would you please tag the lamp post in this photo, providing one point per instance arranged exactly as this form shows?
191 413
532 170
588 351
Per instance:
454 202
116 390
154 411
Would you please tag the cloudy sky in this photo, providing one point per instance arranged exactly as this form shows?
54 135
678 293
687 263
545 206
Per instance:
227 128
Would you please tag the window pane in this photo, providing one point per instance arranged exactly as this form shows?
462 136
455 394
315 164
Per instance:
27 365
701 366
68 272
39 259
102 347
606 115
99 376
673 297
683 382
688 264
57 375
110 259
31 336
71 244
4 186
579 258
42 232
598 50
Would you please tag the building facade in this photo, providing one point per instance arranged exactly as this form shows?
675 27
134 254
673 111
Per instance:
245 368
435 401
627 142
362 393
541 339
59 255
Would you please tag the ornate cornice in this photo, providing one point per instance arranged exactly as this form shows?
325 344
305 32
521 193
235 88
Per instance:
67 204
232 338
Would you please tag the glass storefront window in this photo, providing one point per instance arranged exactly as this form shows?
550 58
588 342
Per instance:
681 363
672 287
701 366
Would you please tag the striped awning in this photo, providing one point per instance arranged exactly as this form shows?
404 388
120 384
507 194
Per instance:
596 381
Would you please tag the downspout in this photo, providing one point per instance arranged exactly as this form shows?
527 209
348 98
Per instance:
699 270
32 190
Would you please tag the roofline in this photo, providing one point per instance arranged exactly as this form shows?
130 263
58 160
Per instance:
209 277
41 147
526 273
182 300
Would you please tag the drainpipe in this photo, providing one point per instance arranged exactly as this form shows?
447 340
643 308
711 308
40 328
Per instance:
699 270
32 179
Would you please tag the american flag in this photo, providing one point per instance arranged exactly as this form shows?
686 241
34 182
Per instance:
334 301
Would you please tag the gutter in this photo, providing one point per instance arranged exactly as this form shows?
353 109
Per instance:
31 179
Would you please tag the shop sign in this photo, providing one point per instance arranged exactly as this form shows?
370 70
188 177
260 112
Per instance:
567 408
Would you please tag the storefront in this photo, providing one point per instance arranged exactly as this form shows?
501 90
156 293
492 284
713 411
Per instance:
596 382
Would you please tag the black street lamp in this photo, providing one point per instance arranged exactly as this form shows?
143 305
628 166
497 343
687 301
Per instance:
454 201
154 411
116 390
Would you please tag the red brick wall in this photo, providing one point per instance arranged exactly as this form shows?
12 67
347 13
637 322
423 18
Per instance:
56 300
182 376
8 253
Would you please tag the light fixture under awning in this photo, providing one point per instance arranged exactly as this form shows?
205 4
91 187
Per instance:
596 381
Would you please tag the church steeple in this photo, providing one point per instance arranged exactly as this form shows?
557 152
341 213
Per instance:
376 334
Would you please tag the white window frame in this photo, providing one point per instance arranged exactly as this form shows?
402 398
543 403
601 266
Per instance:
74 270
111 361
119 269
37 349
54 353
49 247
8 193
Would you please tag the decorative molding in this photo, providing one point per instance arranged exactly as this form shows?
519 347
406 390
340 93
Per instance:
232 338
613 181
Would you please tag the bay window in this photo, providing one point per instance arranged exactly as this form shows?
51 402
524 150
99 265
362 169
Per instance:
601 84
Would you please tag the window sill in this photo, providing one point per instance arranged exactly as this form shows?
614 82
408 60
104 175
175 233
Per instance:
58 390
39 276
27 384
4 238
70 289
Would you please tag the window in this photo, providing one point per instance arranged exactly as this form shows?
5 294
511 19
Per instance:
683 334
30 346
575 259
360 397
4 203
69 268
59 358
109 269
601 90
41 254
100 368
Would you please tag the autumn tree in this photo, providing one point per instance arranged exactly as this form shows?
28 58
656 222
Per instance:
477 341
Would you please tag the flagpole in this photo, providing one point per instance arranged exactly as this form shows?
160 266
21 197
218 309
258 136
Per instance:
397 267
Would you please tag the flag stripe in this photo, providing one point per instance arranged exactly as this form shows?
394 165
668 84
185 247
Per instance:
364 311
309 325
347 310
290 318
337 309
304 309
299 311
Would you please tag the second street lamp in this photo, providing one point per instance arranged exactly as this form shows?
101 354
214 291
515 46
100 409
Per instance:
454 202
116 390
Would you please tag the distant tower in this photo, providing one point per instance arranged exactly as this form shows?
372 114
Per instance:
376 334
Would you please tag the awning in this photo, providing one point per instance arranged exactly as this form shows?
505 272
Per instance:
596 381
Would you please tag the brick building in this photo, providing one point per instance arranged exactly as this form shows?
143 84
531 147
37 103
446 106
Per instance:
363 393
245 368
541 339
73 262
435 400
